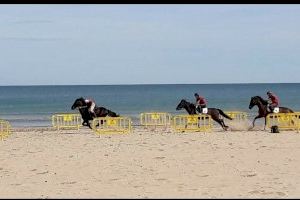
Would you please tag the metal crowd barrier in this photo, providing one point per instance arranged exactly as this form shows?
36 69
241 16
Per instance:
103 125
66 121
201 122
5 129
155 119
284 121
236 115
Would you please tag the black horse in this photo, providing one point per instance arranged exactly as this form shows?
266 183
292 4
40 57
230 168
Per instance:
213 112
85 114
263 108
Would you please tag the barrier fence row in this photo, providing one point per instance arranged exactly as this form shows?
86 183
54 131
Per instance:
199 122
102 125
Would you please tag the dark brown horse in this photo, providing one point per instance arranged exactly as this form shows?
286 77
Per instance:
213 112
263 108
85 114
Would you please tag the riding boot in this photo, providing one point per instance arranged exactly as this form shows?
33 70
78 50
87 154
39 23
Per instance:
198 109
270 109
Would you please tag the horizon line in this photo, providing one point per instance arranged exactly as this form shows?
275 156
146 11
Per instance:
131 84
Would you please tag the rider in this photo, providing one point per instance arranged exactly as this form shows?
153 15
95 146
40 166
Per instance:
91 105
273 100
200 102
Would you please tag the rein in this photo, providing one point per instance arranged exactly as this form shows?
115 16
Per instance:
79 107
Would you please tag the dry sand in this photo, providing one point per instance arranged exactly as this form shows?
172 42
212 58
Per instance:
150 164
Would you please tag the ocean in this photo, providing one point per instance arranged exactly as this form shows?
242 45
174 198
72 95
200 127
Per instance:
33 106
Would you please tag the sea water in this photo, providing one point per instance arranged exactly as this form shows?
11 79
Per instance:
31 106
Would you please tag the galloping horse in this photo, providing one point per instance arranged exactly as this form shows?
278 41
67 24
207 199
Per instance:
85 114
263 108
213 112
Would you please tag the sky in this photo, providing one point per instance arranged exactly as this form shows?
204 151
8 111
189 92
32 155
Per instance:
106 44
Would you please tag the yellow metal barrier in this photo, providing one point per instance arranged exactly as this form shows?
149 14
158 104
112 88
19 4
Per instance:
284 121
154 119
201 122
5 129
236 115
297 120
102 125
66 121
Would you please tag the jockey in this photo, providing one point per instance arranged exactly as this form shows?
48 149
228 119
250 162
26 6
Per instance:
200 102
273 100
91 105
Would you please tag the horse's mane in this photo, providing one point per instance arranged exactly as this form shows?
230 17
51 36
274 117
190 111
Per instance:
188 103
185 101
80 98
261 100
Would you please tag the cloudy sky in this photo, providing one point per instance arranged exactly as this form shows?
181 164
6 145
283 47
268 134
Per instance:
148 44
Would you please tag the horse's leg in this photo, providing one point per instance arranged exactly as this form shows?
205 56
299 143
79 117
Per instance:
85 123
220 122
255 119
89 125
226 127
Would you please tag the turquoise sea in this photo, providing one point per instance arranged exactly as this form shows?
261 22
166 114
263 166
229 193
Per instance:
34 105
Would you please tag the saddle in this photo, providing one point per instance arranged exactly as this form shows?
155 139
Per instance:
202 110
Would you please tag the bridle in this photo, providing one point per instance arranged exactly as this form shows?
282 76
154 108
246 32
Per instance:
79 107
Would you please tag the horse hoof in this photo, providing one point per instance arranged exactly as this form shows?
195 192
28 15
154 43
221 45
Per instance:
250 128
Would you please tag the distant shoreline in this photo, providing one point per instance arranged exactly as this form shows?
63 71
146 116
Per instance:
143 84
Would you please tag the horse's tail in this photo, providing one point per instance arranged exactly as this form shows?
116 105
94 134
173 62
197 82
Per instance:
223 114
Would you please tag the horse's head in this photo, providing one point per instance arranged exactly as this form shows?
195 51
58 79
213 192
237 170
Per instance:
256 100
78 103
253 102
182 104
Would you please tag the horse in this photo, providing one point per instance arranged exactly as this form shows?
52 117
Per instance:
85 114
213 112
263 109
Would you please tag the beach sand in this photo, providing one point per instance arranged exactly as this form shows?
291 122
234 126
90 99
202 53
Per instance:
41 163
